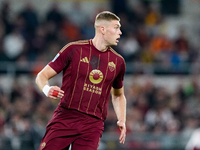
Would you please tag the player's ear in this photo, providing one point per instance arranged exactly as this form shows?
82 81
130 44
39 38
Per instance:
102 29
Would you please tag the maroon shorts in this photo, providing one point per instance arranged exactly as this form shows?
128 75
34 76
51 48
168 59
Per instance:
69 126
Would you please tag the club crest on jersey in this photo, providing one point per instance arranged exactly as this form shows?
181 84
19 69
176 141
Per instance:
96 76
111 66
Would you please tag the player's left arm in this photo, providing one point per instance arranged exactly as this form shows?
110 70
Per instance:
119 104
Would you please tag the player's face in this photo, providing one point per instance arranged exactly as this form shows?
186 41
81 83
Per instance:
112 33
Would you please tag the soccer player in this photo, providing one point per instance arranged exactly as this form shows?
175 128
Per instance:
91 71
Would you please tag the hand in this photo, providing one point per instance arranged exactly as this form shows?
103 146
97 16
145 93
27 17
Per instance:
122 127
57 90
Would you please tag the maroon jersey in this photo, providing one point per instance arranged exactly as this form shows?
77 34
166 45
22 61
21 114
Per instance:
88 75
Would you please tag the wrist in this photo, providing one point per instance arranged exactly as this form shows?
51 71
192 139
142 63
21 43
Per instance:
46 89
120 121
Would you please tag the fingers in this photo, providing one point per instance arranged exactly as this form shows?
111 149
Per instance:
122 136
55 92
122 127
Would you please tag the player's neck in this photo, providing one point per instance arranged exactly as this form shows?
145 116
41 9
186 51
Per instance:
99 44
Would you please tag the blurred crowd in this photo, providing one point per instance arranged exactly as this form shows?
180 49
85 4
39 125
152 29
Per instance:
161 111
25 37
144 39
157 110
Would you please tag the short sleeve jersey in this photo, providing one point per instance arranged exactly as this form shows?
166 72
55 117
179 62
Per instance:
88 75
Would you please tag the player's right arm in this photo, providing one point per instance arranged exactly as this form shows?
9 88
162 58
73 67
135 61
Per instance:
42 79
60 61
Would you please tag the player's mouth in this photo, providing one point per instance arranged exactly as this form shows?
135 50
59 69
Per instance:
117 40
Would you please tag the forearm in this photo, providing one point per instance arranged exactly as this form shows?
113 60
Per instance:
41 80
119 104
43 76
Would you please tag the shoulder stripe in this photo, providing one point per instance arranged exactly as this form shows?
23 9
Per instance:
111 49
81 42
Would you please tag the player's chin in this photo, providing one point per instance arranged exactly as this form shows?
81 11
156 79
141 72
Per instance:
115 43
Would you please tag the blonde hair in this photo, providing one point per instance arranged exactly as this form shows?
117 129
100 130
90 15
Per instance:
106 16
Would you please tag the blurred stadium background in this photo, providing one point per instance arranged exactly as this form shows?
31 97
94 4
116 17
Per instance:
160 44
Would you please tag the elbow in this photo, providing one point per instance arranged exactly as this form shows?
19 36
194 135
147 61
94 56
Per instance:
120 97
37 79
